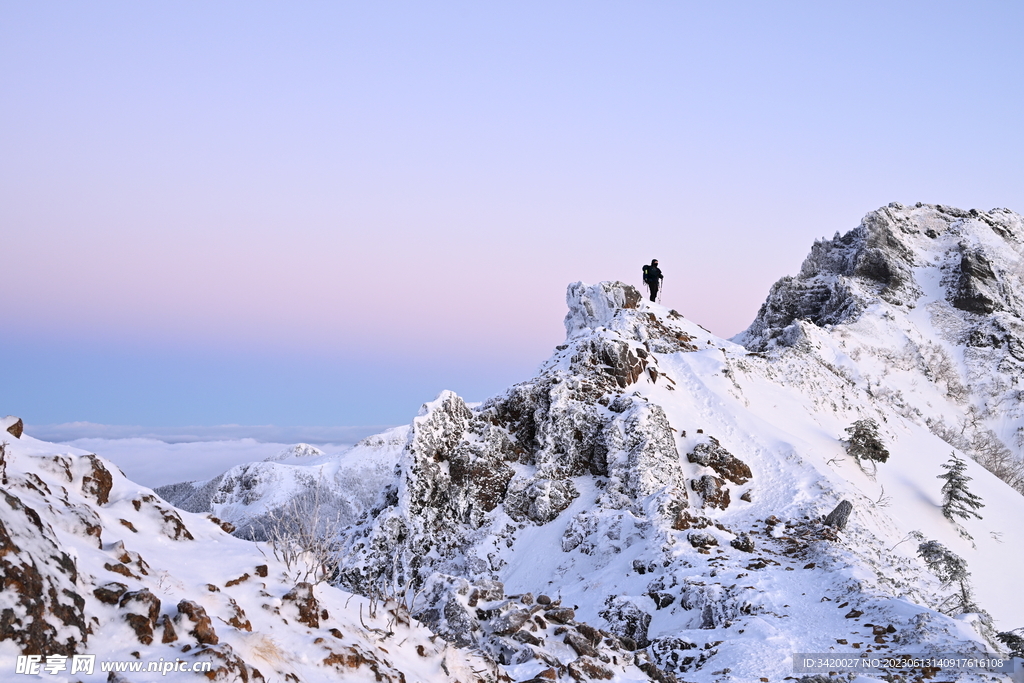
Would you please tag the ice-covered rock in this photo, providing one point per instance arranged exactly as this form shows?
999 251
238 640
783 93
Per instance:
92 565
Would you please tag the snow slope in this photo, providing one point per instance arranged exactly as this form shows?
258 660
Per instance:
95 564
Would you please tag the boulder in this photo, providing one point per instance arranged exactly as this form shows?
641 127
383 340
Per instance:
840 515
12 425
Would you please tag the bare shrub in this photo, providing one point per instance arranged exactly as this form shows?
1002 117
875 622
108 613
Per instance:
984 447
303 535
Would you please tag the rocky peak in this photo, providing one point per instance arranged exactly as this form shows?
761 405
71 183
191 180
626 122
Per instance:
886 259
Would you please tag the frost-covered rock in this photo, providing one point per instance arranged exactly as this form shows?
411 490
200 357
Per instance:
92 564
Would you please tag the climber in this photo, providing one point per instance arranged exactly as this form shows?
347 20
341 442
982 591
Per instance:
653 278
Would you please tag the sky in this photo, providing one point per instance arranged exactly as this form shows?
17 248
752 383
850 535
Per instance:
320 214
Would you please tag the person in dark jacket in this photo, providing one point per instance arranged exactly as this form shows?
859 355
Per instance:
653 278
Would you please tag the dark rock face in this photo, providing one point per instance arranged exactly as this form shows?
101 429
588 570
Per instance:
142 609
743 542
304 600
192 616
976 290
841 276
725 464
712 490
98 481
40 609
618 361
14 426
626 620
110 593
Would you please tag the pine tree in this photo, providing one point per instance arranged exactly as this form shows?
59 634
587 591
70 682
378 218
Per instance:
864 442
957 501
952 571
1013 642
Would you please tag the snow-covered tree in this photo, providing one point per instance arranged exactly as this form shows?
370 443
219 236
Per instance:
1014 641
957 501
952 571
864 443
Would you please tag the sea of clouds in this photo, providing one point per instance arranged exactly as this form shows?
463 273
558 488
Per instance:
154 456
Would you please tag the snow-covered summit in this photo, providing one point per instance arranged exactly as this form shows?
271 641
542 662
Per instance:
296 452
923 308
905 257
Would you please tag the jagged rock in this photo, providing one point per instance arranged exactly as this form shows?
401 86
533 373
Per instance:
201 626
40 608
701 539
656 674
582 645
684 520
674 654
13 426
441 608
595 306
840 515
238 619
725 464
509 622
619 363
715 605
169 634
539 501
713 491
626 620
585 668
110 593
661 599
743 542
231 666
98 481
173 527
142 609
836 279
487 590
976 290
303 599
560 615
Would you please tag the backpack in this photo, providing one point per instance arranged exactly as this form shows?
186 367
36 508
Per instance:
646 277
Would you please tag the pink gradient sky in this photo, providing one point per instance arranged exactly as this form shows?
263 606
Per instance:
298 205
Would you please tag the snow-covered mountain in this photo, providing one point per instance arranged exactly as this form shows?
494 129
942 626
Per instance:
659 503
95 565
922 308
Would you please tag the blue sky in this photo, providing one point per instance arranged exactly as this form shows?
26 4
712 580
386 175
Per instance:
325 213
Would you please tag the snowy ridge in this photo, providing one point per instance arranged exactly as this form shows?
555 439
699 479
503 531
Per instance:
923 308
93 563
652 505
252 494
